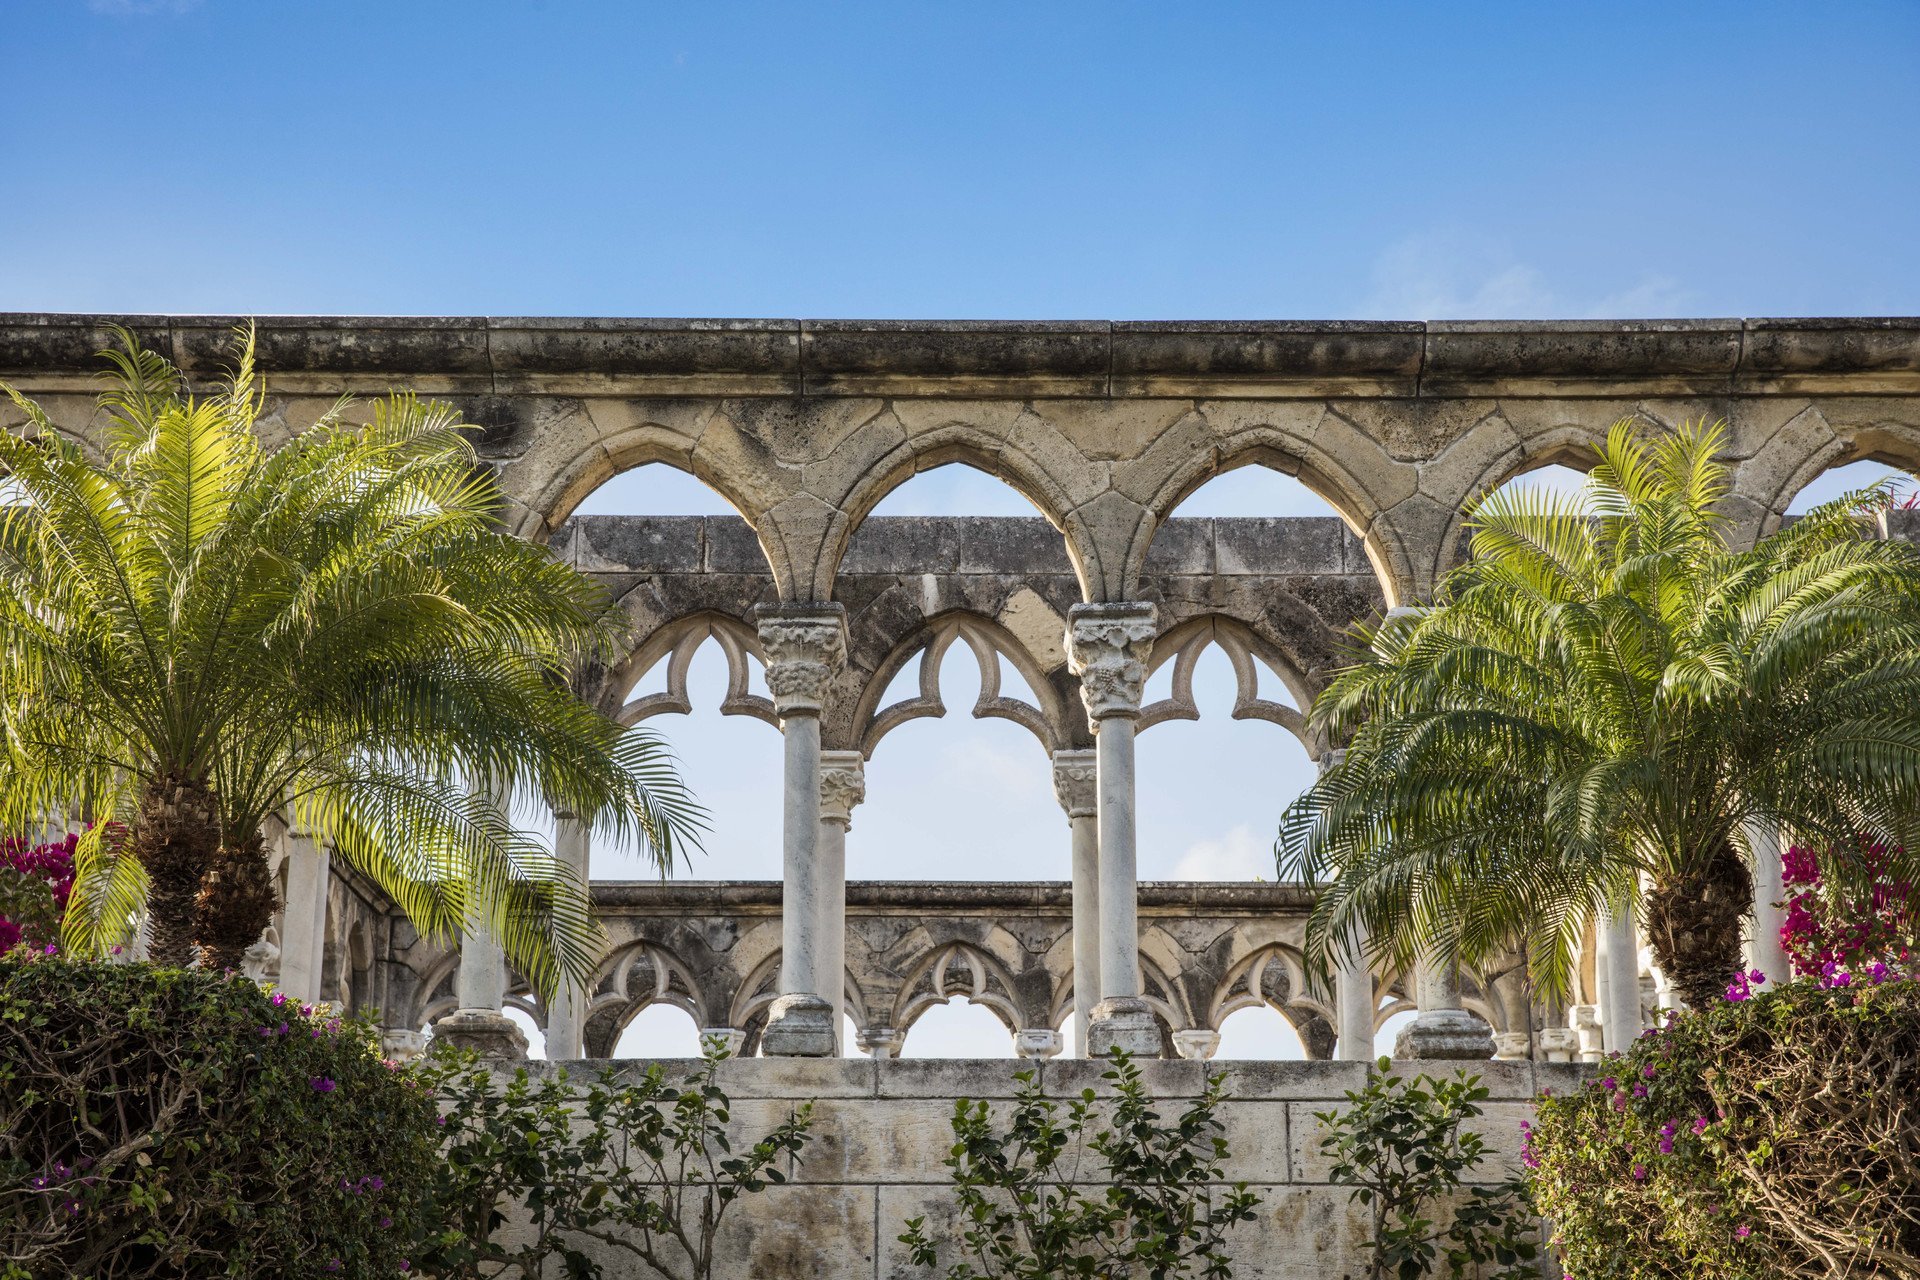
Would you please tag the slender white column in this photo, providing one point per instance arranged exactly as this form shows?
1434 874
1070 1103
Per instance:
805 645
1354 1003
1764 951
843 785
1443 1028
480 988
1107 647
1617 969
1074 779
303 920
567 1013
1354 999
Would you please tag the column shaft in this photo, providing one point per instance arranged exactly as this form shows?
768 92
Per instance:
1764 951
567 1013
1119 888
1354 1004
1086 925
303 920
800 856
1443 1029
1617 968
842 787
480 989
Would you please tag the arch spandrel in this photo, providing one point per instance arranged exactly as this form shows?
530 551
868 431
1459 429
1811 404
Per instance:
1819 437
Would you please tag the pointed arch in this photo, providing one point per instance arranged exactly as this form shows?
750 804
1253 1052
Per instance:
963 444
988 641
1183 646
677 643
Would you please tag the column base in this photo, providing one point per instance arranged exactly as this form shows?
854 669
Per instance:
1447 1034
487 1032
799 1026
1124 1023
1198 1045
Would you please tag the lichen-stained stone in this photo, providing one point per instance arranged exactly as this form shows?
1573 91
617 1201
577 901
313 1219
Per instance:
838 474
1110 430
1038 626
798 1231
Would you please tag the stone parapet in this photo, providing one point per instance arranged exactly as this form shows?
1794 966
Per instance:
1052 359
881 1130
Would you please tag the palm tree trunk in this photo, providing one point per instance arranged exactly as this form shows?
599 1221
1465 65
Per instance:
236 903
175 837
1694 923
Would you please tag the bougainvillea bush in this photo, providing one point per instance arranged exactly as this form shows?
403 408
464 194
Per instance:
1772 1134
1832 929
35 882
176 1123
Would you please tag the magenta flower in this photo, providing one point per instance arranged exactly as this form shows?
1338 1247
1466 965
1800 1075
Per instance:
322 1084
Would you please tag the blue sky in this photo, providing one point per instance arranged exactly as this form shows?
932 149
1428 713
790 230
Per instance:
980 160
1123 161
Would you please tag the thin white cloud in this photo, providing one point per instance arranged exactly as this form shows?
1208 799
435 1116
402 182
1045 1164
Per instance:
1237 855
1450 275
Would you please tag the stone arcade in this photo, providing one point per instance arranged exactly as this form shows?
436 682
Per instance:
805 425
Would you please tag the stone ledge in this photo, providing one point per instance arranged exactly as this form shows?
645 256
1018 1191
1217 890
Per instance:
1064 359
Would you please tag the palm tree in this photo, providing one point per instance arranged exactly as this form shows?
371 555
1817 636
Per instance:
201 632
1605 697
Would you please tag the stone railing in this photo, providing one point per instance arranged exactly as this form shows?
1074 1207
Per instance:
881 1129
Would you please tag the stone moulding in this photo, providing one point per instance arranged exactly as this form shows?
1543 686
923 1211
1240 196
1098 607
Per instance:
787 357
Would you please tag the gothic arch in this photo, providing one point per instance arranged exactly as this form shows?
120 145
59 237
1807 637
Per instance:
1811 444
1290 452
959 969
1183 646
677 643
967 444
988 641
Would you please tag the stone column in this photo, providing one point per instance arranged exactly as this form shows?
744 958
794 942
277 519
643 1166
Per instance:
1443 1029
843 785
303 920
1617 973
880 1042
1764 951
1107 647
567 1013
480 989
805 645
1075 779
1354 999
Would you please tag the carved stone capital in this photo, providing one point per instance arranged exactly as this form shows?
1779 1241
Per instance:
1076 782
843 785
1107 647
727 1040
805 646
880 1042
1038 1042
1197 1045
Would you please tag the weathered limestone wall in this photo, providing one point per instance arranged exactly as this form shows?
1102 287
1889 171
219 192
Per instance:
881 1130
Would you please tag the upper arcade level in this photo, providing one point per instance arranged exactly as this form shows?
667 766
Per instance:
805 425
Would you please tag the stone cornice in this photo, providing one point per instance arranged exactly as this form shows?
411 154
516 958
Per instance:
1176 897
1037 359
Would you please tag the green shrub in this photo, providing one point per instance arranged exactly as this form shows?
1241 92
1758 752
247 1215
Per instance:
1403 1148
1035 1207
1765 1136
175 1123
547 1168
